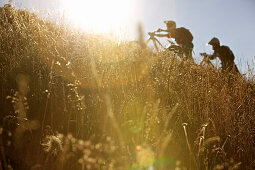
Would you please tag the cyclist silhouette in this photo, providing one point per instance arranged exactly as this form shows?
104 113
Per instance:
183 38
224 54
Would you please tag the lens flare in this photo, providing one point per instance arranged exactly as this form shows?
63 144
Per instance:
99 16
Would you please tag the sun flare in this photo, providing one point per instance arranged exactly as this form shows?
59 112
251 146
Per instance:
99 16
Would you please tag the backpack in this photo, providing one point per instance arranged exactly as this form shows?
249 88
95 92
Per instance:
182 35
226 54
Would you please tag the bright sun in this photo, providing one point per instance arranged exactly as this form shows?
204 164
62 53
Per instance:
99 16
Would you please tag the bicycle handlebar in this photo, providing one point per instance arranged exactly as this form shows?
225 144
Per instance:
152 33
204 55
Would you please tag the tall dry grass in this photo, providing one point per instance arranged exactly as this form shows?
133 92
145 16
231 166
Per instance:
97 104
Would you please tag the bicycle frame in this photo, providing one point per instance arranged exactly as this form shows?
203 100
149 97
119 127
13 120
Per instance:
206 60
155 41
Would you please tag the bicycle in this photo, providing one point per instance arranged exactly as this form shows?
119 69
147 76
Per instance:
173 47
154 40
206 60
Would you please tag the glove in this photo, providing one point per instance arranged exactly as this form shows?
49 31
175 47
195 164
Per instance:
151 33
159 30
203 54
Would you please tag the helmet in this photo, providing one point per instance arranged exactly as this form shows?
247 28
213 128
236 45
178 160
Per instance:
214 41
170 24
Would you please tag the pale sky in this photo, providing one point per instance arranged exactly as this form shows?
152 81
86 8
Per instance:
232 21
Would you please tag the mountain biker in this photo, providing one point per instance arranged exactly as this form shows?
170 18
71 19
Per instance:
182 36
225 55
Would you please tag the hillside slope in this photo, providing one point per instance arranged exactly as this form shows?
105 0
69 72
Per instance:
139 108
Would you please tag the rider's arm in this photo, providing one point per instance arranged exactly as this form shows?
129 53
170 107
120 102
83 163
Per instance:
213 56
161 30
162 35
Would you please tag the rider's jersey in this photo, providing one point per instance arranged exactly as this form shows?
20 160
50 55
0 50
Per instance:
181 35
226 56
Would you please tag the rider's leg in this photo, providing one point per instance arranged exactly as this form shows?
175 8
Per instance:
187 50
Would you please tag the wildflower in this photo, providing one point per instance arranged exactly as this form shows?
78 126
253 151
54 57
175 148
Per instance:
218 149
52 144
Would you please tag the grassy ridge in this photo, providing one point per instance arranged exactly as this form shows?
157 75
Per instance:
130 107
